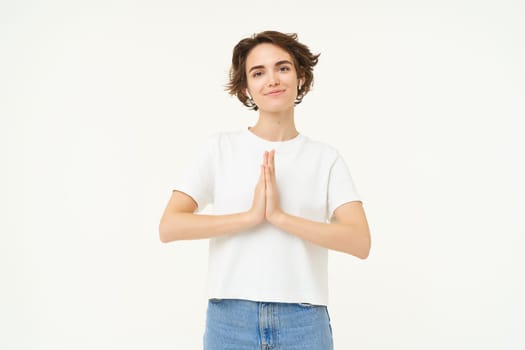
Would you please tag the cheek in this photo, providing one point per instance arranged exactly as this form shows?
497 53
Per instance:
255 85
292 79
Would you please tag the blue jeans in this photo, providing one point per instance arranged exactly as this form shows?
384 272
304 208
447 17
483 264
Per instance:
233 324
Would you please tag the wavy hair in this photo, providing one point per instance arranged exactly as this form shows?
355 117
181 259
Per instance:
304 62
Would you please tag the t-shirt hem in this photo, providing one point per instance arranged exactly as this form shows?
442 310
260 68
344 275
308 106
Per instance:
268 299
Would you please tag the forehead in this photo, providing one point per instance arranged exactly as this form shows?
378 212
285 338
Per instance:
266 54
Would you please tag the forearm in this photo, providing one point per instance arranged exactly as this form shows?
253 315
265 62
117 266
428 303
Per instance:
353 239
185 226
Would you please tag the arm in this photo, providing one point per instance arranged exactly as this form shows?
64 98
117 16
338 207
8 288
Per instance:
180 223
348 232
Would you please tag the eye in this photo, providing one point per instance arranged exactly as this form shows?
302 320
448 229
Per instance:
256 74
284 68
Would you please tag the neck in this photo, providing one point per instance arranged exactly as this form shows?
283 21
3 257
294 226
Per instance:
275 126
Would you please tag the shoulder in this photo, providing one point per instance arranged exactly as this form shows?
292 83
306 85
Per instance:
218 142
219 137
321 148
224 135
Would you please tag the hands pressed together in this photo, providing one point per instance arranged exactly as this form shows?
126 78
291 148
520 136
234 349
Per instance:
266 204
347 231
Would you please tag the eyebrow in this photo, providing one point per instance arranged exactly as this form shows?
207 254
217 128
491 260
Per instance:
276 64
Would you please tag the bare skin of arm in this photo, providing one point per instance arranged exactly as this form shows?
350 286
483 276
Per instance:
347 233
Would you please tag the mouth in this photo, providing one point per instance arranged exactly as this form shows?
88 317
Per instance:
275 93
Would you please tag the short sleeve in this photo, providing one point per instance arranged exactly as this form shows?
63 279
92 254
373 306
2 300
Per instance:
341 187
197 181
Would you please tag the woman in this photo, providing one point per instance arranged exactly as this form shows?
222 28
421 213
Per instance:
280 201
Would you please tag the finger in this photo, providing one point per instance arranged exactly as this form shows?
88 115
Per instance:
272 162
268 178
271 165
261 174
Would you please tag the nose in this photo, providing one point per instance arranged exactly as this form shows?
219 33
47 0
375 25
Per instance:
273 79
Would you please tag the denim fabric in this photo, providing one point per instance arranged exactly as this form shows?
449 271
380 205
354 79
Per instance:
233 324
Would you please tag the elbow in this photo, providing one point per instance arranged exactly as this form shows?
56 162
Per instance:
165 234
360 252
364 248
364 254
163 239
162 234
171 229
365 251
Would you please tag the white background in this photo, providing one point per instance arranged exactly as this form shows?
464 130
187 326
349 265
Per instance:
103 103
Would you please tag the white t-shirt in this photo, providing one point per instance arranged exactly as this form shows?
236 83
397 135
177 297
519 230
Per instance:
265 263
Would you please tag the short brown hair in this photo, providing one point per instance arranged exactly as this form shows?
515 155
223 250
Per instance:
304 62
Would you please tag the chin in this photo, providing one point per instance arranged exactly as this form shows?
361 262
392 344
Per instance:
277 107
274 109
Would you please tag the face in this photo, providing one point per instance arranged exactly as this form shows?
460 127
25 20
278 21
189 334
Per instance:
272 78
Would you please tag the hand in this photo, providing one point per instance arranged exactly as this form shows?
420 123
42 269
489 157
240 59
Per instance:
258 209
273 206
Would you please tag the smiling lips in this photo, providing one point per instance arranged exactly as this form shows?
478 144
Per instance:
274 92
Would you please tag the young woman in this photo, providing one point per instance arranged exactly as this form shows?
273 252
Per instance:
280 201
